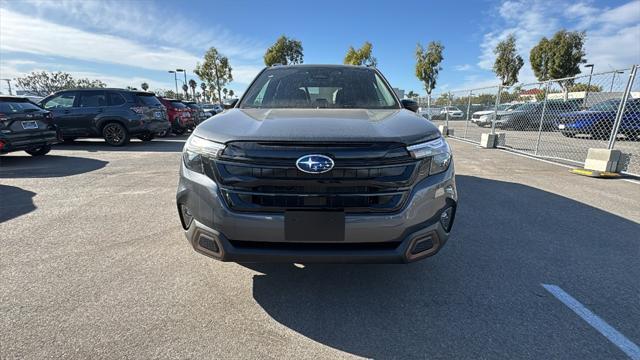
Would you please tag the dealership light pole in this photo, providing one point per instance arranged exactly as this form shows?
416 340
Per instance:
584 103
186 94
613 79
8 84
175 79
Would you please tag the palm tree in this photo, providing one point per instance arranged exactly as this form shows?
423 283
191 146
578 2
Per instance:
231 93
225 91
144 86
185 88
203 86
193 84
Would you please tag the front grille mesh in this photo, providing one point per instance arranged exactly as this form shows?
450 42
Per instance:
252 179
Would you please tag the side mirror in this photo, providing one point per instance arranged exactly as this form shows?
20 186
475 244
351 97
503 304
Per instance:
230 105
409 104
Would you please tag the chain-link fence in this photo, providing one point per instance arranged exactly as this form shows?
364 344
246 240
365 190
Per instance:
558 119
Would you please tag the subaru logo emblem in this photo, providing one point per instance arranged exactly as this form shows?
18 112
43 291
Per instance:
314 164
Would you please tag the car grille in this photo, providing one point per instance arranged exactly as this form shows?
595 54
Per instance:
475 116
262 177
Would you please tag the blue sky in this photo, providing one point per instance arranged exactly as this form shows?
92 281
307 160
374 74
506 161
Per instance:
128 42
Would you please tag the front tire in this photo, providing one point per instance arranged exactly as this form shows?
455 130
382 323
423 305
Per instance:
115 134
179 131
39 151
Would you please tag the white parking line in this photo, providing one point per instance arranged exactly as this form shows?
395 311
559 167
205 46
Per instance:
627 346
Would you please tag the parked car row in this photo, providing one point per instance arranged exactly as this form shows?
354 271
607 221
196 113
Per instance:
116 115
565 116
598 120
485 118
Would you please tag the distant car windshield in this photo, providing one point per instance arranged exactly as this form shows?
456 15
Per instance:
505 107
527 106
148 99
310 87
17 106
609 105
178 104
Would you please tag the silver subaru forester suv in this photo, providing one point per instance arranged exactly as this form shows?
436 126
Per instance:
317 163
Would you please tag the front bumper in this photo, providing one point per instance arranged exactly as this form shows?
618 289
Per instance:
26 141
482 122
151 127
157 127
226 235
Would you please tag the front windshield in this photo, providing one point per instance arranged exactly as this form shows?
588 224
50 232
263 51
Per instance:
609 105
505 107
527 106
311 87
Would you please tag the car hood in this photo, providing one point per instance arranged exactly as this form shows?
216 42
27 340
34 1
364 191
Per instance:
485 112
490 112
339 125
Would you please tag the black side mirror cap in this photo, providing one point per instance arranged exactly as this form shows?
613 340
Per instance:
231 104
409 104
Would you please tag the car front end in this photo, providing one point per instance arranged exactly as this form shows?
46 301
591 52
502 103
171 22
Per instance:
308 184
482 118
243 201
583 122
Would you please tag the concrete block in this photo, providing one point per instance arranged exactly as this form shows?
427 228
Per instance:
602 160
445 131
501 139
488 140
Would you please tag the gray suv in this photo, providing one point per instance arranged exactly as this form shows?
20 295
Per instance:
317 163
113 114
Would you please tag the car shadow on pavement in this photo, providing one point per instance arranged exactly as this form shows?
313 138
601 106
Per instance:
480 297
47 166
15 202
169 144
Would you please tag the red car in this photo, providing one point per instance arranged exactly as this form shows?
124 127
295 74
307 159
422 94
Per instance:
179 115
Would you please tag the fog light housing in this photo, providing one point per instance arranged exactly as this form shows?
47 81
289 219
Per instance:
422 245
446 218
187 216
208 243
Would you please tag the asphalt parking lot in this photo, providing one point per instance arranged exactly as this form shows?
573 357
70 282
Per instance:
94 265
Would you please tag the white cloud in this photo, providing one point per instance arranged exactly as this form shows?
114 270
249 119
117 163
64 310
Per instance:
612 33
11 69
142 20
22 33
463 67
528 21
609 51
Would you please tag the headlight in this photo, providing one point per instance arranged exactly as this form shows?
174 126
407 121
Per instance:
198 149
436 152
